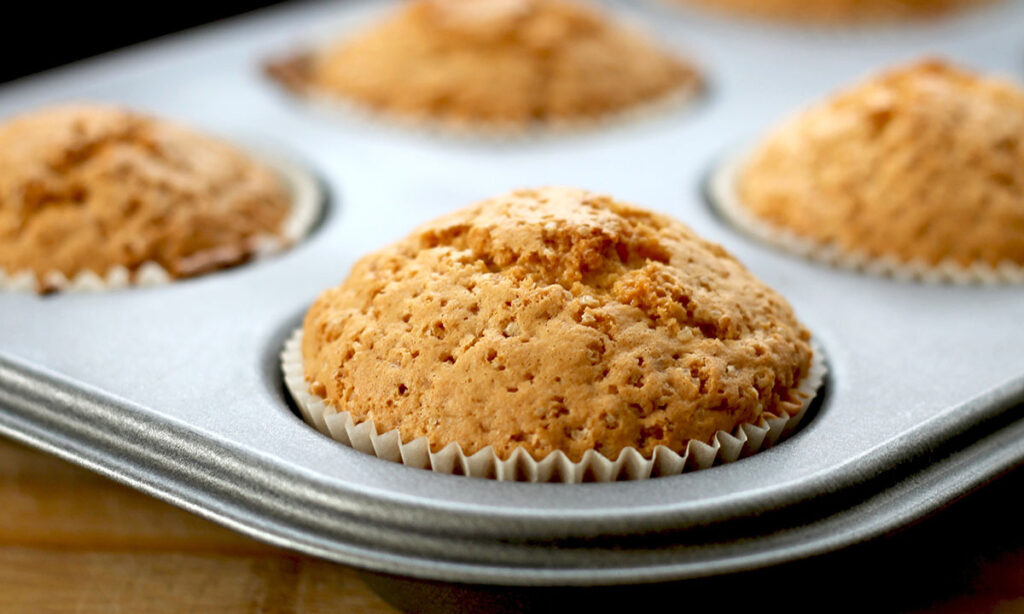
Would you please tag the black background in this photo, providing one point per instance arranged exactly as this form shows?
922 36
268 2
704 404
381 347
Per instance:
38 35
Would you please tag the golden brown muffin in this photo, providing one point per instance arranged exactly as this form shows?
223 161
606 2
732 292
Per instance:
835 11
921 164
498 62
555 319
91 188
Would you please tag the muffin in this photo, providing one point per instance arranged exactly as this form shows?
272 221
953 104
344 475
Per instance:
836 11
96 192
494 64
921 167
554 321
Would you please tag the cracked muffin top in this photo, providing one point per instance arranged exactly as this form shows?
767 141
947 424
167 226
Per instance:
554 319
90 188
498 62
923 163
836 11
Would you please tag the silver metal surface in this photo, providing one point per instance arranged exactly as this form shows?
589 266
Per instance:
175 389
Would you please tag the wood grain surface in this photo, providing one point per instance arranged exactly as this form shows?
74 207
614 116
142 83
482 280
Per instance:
72 541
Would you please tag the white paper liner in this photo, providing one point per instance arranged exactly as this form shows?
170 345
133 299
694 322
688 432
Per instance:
725 198
306 203
338 108
520 466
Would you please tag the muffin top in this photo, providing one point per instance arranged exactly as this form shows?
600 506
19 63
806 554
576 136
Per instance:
924 163
506 62
554 319
836 11
90 187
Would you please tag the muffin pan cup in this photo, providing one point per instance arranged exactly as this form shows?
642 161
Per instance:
723 195
176 390
725 447
306 208
285 68
334 109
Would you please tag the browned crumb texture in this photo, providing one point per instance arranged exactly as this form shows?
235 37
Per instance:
498 62
89 187
922 163
554 319
837 10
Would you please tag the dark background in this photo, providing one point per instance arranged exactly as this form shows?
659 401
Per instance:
48 34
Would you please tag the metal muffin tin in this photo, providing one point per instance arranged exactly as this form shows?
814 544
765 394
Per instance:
176 391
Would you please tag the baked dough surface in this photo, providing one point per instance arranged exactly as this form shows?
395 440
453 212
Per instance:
922 163
554 319
505 62
836 11
90 187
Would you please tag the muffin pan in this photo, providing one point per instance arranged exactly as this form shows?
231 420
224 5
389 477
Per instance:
176 390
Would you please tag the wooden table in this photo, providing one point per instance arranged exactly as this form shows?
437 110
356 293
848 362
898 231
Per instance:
72 541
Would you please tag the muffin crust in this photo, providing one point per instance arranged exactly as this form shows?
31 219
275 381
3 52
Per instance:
554 319
498 62
836 11
90 187
924 163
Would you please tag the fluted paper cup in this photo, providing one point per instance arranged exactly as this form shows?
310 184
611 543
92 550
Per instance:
725 447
